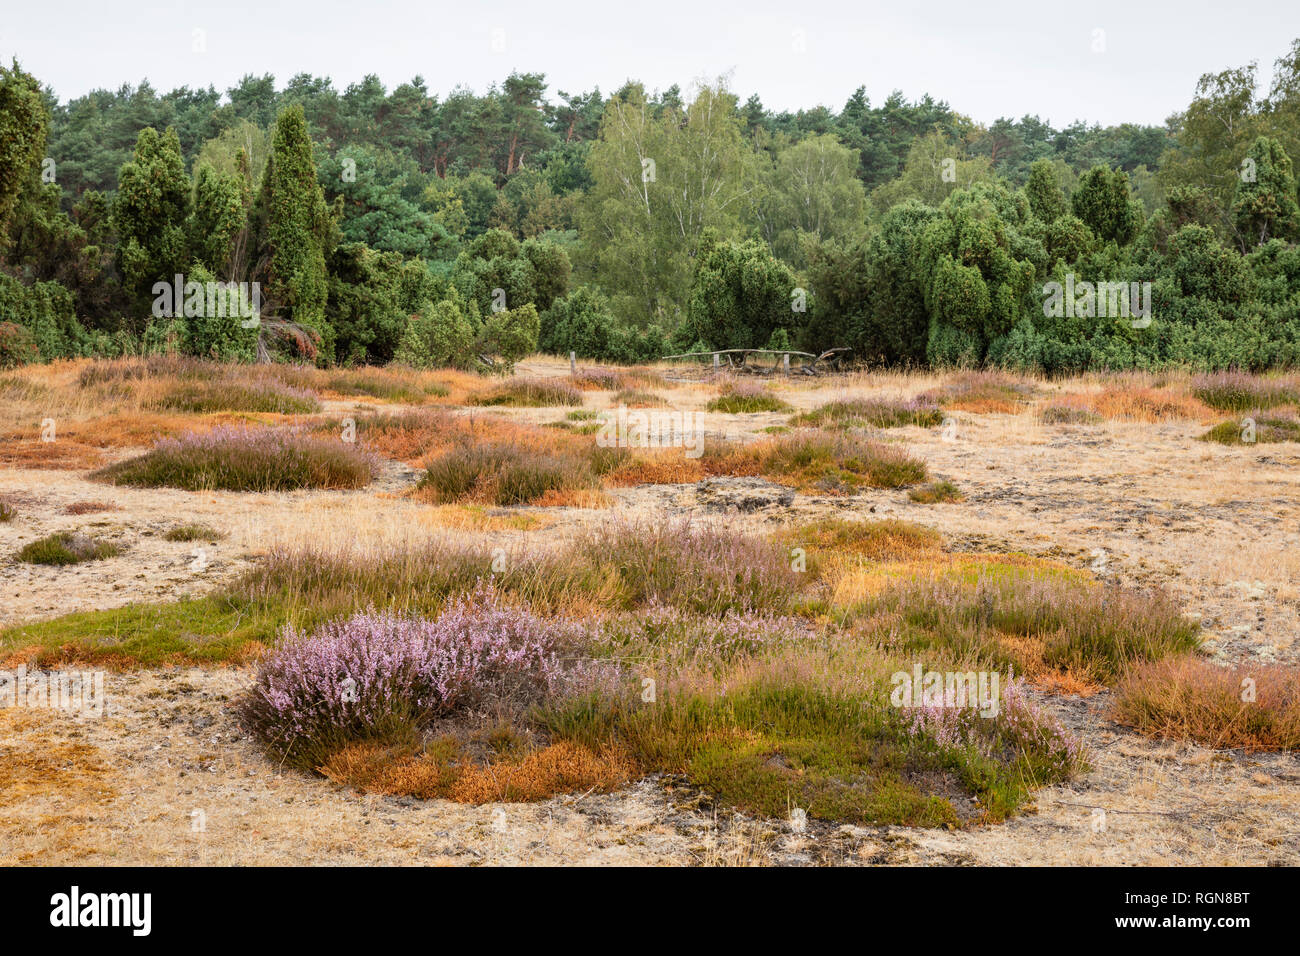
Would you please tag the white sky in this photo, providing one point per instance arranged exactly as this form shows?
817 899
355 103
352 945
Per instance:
987 58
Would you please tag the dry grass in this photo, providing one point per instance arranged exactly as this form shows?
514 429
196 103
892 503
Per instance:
982 392
1253 707
471 517
562 767
602 379
832 464
89 507
34 764
1136 403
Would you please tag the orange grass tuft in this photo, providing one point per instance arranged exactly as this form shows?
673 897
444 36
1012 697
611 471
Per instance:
561 767
1254 707
1139 403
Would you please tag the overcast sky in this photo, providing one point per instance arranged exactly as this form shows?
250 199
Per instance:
1107 61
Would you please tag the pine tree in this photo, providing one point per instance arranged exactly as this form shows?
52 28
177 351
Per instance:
151 212
1265 205
24 122
298 232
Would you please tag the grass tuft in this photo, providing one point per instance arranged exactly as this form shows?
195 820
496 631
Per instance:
877 412
66 548
529 393
936 492
1254 707
233 458
746 397
193 532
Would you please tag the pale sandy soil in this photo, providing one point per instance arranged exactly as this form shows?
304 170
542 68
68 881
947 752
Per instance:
1138 503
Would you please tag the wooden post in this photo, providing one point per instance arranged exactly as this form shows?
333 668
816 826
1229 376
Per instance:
785 360
573 363
715 360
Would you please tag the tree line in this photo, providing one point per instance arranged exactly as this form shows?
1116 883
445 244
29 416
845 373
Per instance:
472 229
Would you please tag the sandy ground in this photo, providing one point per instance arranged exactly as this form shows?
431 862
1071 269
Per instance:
166 777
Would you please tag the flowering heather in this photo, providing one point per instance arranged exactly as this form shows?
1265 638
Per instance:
879 412
1239 392
1021 729
678 638
383 676
604 379
236 458
697 568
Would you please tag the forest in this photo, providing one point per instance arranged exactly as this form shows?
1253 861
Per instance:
469 230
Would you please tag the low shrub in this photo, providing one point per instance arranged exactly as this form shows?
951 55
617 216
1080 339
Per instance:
7 511
1257 428
1095 633
235 458
529 393
89 507
877 412
746 397
936 492
193 532
612 566
200 397
982 391
1239 392
1254 707
505 474
66 548
1062 414
383 677
1125 401
637 398
837 463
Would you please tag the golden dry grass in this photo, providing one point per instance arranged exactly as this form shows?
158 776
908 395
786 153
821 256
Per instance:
1139 403
1251 706
562 767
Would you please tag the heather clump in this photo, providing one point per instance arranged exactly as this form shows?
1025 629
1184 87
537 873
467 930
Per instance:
1256 427
876 412
1053 621
385 677
1253 706
678 638
834 463
529 393
1020 730
708 570
747 397
1240 392
238 458
508 473
981 391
